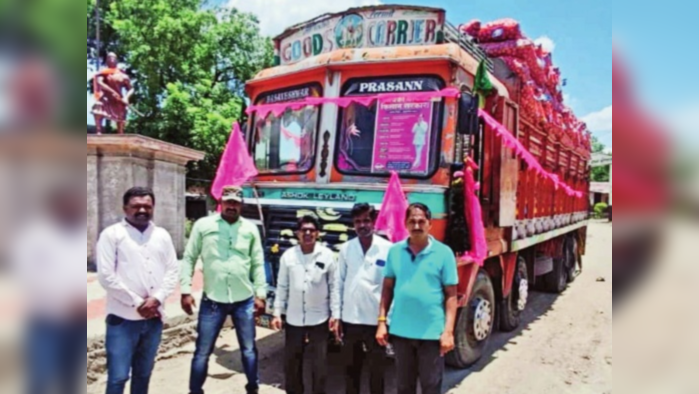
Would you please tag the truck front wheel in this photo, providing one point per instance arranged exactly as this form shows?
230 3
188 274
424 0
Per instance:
474 325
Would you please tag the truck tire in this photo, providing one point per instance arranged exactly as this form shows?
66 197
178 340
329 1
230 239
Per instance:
474 325
557 281
571 254
514 305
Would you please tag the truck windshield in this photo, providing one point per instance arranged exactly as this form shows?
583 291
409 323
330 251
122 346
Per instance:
390 136
286 144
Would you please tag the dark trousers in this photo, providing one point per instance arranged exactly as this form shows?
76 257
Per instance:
360 347
418 359
131 350
212 317
54 356
317 349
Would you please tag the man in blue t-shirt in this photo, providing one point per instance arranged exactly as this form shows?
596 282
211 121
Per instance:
420 282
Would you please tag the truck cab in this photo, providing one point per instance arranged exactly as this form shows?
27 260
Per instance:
322 159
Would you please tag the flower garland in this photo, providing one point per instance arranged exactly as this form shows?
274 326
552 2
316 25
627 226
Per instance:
278 109
513 143
509 140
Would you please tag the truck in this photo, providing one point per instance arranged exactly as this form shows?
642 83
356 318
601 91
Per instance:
320 149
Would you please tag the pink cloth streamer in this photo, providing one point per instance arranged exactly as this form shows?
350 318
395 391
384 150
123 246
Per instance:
236 166
513 143
391 219
474 216
291 136
278 109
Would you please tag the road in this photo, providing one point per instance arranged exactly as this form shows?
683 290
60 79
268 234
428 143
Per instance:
563 346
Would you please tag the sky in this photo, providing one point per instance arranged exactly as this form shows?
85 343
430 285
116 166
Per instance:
657 43
580 33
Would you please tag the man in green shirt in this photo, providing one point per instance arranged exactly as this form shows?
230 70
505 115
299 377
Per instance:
235 285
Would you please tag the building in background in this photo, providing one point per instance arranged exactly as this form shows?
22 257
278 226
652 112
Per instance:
600 192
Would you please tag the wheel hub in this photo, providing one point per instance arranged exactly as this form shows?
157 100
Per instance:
483 319
523 295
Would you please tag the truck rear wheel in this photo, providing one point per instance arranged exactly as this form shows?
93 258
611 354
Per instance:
571 254
514 305
474 325
557 280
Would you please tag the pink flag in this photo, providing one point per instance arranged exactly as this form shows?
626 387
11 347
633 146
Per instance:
391 219
236 166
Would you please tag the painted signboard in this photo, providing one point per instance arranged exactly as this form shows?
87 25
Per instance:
319 196
371 28
402 137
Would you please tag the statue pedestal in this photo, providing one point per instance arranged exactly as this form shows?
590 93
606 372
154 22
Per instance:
116 163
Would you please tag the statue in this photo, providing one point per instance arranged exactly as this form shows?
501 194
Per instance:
112 104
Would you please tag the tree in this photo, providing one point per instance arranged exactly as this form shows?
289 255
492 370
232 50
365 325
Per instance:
599 174
189 66
47 30
597 146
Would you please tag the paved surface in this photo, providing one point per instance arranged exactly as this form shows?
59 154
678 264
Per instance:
563 346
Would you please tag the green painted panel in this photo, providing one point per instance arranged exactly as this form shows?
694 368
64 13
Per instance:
435 201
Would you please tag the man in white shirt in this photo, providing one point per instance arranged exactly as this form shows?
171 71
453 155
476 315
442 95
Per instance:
48 260
137 266
362 261
309 296
419 139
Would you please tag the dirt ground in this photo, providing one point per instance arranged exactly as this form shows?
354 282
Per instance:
563 346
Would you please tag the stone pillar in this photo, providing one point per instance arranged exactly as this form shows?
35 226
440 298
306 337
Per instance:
92 207
116 163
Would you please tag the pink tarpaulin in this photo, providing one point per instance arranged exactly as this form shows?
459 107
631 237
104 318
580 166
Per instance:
278 109
391 219
236 166
513 143
474 216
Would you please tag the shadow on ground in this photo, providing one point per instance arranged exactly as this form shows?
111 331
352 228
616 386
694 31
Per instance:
272 356
539 307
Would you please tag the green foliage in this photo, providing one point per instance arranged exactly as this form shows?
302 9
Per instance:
600 174
90 14
188 226
49 31
597 146
188 68
601 210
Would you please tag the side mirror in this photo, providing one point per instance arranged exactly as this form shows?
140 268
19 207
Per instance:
468 114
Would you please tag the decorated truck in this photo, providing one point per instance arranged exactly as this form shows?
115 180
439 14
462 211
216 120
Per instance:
359 95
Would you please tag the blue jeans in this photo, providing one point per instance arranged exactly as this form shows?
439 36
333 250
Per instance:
54 355
212 317
131 350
